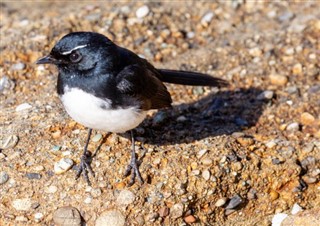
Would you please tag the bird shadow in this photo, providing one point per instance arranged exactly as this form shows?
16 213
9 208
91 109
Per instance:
220 113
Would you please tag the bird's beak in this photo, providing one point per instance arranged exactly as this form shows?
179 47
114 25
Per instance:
46 60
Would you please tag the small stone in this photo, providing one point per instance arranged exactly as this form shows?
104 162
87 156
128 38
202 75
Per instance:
181 119
176 211
4 177
159 118
278 218
97 137
96 192
308 148
289 51
234 202
245 141
67 216
51 189
273 195
18 66
142 11
63 165
164 211
293 127
201 153
297 69
206 19
33 176
221 202
265 95
195 172
307 119
271 144
56 148
111 217
21 219
9 142
206 174
309 180
255 52
152 217
125 198
38 216
277 79
190 219
296 209
88 200
23 106
6 84
252 194
22 204
207 162
229 211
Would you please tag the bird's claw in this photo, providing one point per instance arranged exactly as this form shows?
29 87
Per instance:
85 167
133 167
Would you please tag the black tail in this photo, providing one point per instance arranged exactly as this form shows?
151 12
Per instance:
190 78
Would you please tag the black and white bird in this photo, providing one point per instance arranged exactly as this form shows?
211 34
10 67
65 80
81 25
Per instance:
109 88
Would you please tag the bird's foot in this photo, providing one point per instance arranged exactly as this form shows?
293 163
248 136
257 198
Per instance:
85 167
133 167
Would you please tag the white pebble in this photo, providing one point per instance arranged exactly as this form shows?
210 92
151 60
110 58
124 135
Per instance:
142 11
268 94
296 209
206 174
23 106
22 204
111 217
51 189
293 127
207 18
38 216
278 218
125 198
201 153
63 165
221 202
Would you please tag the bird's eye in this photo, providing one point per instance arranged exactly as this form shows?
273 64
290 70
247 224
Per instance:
75 57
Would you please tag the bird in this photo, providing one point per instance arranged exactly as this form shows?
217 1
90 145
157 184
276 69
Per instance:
109 88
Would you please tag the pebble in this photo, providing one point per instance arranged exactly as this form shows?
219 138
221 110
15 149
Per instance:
201 153
190 219
97 137
307 119
309 180
296 209
111 217
56 148
9 142
297 69
271 144
308 148
265 95
22 204
245 141
125 198
67 216
142 11
21 219
6 84
63 165
277 79
18 66
207 162
159 118
229 211
252 194
273 195
234 202
4 177
221 202
23 106
278 218
206 19
38 216
51 189
96 192
181 119
176 210
33 176
206 174
293 127
164 211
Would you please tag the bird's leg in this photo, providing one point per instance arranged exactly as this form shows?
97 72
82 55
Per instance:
86 160
133 166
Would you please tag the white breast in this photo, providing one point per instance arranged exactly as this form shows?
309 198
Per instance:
86 109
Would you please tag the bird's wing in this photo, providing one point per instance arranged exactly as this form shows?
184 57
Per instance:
142 83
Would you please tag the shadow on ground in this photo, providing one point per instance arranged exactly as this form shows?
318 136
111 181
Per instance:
216 114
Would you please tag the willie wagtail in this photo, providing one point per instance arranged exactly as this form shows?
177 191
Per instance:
106 87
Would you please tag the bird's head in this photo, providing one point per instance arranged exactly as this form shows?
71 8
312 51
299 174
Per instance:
79 52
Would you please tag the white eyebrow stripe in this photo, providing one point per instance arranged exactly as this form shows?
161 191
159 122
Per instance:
75 48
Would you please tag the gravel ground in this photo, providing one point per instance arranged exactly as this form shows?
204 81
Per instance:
243 155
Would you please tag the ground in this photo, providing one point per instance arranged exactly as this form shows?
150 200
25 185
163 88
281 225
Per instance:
231 156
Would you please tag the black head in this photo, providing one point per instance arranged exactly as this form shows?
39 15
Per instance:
79 51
